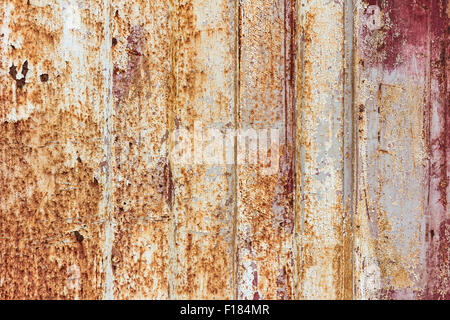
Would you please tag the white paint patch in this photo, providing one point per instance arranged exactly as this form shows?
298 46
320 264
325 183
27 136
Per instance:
72 22
108 293
370 280
71 154
249 268
71 13
4 29
22 113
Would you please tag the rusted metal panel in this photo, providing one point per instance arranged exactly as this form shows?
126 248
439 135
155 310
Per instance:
202 183
323 222
141 220
51 122
249 149
437 212
401 104
265 198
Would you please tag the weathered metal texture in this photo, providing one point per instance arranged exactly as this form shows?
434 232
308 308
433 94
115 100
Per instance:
141 220
401 101
323 219
173 71
51 128
347 199
438 142
202 188
265 197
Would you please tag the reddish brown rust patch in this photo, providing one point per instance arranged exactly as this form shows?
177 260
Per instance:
43 77
122 79
438 259
13 72
404 24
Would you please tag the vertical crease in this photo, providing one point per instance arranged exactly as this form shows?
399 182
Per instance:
349 145
174 33
237 44
108 293
301 148
295 36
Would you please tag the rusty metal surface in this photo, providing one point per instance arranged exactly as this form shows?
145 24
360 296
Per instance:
401 102
322 212
202 189
227 149
265 206
140 205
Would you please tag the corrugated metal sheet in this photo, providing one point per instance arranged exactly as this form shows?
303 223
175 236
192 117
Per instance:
249 149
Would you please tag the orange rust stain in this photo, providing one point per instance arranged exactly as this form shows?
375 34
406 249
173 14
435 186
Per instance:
50 216
265 202
142 187
202 75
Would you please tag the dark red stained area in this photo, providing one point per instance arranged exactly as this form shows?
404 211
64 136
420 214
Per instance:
122 79
438 255
405 26
416 36
409 27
